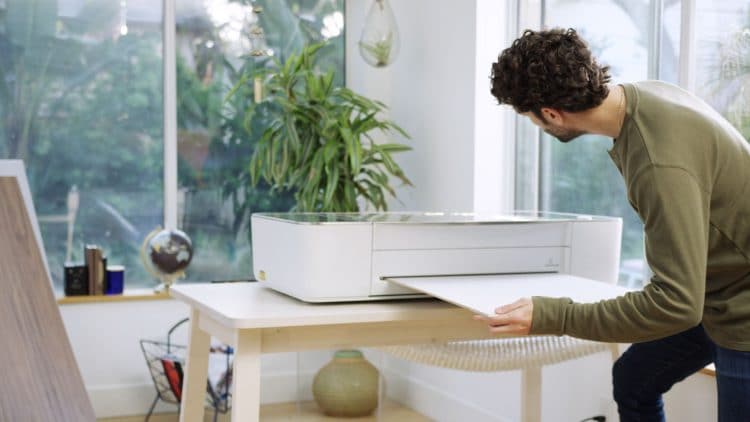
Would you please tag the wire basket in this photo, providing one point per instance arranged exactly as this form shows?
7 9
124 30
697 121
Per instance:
166 362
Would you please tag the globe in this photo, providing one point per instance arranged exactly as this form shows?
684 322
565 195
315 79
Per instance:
166 253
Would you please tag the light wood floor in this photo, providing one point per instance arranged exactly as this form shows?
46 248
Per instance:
288 412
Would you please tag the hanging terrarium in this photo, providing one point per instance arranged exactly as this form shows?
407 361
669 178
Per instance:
379 43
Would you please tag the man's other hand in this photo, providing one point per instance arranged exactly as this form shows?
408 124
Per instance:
514 318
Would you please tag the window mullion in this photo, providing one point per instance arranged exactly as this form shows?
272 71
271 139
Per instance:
530 15
656 33
687 46
170 116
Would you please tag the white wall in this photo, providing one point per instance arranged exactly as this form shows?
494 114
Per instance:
105 339
494 137
438 91
571 391
430 91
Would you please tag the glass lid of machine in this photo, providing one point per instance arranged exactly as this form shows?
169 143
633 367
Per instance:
426 217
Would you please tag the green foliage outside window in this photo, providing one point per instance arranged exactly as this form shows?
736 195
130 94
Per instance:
84 108
729 91
81 103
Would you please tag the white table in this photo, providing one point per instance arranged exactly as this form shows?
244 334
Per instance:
256 320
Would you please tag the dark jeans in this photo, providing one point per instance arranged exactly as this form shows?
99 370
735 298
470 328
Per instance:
647 370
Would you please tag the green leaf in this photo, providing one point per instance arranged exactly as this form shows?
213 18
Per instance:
314 89
388 162
330 150
398 129
333 180
316 170
327 82
358 153
350 195
389 148
240 83
292 132
353 152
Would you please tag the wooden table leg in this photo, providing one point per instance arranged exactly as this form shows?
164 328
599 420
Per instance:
531 394
246 377
196 372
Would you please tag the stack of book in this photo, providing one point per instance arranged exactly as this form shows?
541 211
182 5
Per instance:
89 278
96 263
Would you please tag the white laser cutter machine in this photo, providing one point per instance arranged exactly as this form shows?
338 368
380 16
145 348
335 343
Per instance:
465 258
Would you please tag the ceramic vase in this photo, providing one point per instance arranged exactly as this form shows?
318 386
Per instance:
347 386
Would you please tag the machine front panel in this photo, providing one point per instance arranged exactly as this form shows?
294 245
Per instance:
459 261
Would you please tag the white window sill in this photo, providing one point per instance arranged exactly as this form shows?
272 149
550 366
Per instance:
128 295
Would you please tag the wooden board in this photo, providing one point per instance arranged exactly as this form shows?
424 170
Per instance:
483 293
40 377
15 168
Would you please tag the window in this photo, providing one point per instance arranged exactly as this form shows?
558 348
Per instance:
81 102
579 176
640 40
214 143
723 57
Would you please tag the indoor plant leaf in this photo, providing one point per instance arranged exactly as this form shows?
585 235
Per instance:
319 144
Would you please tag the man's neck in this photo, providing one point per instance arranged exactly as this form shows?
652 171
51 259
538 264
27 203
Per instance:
606 118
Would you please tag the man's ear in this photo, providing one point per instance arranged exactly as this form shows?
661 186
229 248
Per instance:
552 115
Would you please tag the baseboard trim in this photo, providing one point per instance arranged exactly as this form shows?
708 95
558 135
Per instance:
125 400
135 399
434 403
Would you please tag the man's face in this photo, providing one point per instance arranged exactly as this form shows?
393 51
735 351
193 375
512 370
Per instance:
562 133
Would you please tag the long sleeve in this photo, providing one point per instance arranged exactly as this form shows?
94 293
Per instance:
675 212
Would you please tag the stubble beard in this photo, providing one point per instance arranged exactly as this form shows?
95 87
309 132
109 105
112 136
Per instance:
564 136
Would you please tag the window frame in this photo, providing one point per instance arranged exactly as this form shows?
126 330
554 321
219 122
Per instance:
527 188
169 84
531 14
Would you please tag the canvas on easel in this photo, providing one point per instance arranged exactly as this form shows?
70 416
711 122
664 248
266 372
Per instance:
41 380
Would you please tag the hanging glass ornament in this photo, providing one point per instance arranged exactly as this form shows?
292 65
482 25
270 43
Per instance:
258 49
380 43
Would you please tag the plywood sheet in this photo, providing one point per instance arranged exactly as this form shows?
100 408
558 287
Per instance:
40 377
483 293
15 168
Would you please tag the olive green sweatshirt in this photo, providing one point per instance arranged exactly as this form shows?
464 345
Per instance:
687 174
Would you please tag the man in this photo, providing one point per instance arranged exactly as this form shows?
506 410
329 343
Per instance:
687 173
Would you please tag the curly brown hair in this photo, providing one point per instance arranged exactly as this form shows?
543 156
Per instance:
552 68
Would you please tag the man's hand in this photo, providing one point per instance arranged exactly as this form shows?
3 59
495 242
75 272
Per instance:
511 319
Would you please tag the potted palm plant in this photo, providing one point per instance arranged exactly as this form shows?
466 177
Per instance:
319 141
